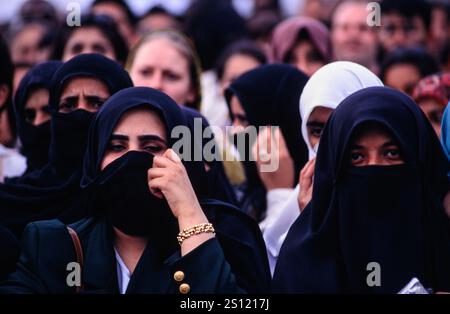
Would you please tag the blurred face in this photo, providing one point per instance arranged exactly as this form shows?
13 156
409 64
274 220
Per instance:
158 64
235 66
37 110
398 31
373 145
24 47
306 57
434 112
239 116
88 40
83 93
351 37
402 77
156 22
316 122
119 16
139 130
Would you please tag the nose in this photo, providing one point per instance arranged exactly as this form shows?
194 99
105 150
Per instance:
375 158
41 117
399 37
83 104
156 81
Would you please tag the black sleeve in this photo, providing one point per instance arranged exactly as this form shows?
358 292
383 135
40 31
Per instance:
206 270
24 279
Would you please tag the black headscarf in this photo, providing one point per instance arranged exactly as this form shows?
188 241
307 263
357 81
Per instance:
54 190
108 117
270 95
35 140
391 215
238 234
219 186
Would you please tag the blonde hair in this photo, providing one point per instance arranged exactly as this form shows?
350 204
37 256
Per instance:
185 46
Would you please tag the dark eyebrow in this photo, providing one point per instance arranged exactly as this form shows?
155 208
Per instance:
390 143
69 98
315 123
119 137
156 138
94 97
356 147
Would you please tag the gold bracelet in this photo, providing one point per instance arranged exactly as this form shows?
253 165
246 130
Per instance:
188 232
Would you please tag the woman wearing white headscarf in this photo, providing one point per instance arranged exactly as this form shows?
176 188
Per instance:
322 94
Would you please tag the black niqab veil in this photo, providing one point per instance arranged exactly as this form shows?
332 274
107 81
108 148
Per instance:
270 95
54 190
35 140
390 215
238 234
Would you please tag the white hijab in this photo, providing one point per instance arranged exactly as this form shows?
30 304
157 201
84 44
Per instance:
330 85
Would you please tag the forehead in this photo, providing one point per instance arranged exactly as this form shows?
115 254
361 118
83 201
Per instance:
87 84
372 130
141 121
320 113
87 35
37 92
160 51
350 12
240 63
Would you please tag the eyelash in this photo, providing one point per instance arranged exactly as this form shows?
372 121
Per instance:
385 153
316 131
119 147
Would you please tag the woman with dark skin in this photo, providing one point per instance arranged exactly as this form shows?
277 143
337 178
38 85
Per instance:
379 183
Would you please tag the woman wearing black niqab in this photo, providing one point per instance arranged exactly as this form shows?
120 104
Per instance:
269 95
388 214
35 139
54 190
125 157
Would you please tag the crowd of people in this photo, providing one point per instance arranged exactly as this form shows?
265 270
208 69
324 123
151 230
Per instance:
94 170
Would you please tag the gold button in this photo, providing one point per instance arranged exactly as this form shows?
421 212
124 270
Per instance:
178 276
185 288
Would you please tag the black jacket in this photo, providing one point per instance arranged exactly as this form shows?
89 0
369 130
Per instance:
224 264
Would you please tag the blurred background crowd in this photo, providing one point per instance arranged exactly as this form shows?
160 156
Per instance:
231 37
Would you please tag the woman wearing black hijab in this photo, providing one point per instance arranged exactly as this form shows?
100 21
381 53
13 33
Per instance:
373 201
31 106
269 96
77 89
142 194
220 187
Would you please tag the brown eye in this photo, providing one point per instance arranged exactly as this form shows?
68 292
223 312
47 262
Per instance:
172 76
392 153
153 149
96 104
98 48
356 157
316 131
146 72
116 147
67 106
46 109
77 48
29 115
